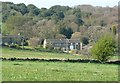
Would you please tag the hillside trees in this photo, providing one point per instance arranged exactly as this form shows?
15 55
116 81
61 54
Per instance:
46 23
45 29
14 24
7 7
103 23
57 21
83 38
67 31
33 9
22 8
76 35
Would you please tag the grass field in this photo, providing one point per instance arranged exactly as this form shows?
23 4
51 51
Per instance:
58 71
11 53
53 71
14 53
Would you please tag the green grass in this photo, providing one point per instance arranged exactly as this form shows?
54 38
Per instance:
15 53
11 53
53 71
58 71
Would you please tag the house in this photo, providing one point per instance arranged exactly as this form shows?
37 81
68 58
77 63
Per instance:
12 39
63 44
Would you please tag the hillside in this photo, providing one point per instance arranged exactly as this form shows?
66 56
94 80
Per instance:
57 21
107 14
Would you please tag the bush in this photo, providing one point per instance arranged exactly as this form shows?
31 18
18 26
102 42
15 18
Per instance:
14 46
40 48
25 43
104 48
34 42
50 47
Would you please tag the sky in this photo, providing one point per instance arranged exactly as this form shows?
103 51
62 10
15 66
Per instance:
71 3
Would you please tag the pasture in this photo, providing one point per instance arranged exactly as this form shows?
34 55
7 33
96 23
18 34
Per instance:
15 53
54 71
58 71
11 53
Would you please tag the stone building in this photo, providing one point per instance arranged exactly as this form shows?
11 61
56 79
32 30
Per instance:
12 39
63 44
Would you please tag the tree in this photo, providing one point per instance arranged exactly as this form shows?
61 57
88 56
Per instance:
76 35
45 29
74 26
77 12
33 9
66 31
114 29
104 48
79 21
34 42
21 8
60 15
60 36
14 24
103 23
85 40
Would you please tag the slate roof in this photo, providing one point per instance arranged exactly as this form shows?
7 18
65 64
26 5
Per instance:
63 40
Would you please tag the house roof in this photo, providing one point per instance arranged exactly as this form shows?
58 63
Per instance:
63 40
13 36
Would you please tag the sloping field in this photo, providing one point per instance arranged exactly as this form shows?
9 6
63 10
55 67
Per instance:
15 53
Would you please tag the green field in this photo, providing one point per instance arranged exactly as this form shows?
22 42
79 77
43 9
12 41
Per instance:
11 53
58 71
14 53
53 71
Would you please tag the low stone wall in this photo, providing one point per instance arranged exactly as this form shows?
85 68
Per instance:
60 60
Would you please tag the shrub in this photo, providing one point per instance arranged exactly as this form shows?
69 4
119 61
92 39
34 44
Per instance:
72 51
40 48
49 46
34 42
25 43
14 46
104 48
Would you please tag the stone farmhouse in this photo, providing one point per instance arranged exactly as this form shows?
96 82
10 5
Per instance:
12 39
63 44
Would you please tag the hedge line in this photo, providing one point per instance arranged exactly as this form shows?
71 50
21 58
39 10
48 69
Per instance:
60 60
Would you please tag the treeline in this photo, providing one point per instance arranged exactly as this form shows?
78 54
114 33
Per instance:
55 22
45 23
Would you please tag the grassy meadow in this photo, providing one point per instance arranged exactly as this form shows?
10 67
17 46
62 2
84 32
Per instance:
58 71
53 71
11 53
15 53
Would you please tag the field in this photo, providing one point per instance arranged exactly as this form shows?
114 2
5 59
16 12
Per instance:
58 71
14 53
11 53
54 71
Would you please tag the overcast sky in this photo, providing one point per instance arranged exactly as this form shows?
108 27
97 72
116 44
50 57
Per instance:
71 3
